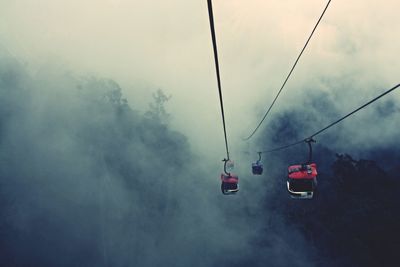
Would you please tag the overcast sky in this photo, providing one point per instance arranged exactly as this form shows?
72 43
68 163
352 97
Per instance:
146 45
98 176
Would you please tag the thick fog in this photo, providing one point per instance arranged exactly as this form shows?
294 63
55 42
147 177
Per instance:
145 45
98 167
87 180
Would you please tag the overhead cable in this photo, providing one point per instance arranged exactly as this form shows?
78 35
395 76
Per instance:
214 42
333 123
288 76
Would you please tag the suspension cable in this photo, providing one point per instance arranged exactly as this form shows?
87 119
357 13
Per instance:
333 123
214 42
288 76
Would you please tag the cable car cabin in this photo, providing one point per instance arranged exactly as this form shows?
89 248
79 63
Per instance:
229 184
302 180
257 168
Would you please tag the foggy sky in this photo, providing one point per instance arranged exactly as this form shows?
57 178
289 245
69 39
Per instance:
166 44
60 55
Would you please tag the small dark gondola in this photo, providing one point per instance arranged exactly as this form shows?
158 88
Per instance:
257 167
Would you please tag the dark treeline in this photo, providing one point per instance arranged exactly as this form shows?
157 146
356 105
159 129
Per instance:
354 217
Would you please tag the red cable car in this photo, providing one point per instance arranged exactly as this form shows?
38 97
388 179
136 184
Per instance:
302 178
229 181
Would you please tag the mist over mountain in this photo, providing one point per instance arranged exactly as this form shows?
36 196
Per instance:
88 180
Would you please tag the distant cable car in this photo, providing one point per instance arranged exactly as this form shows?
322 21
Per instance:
229 181
257 167
302 178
